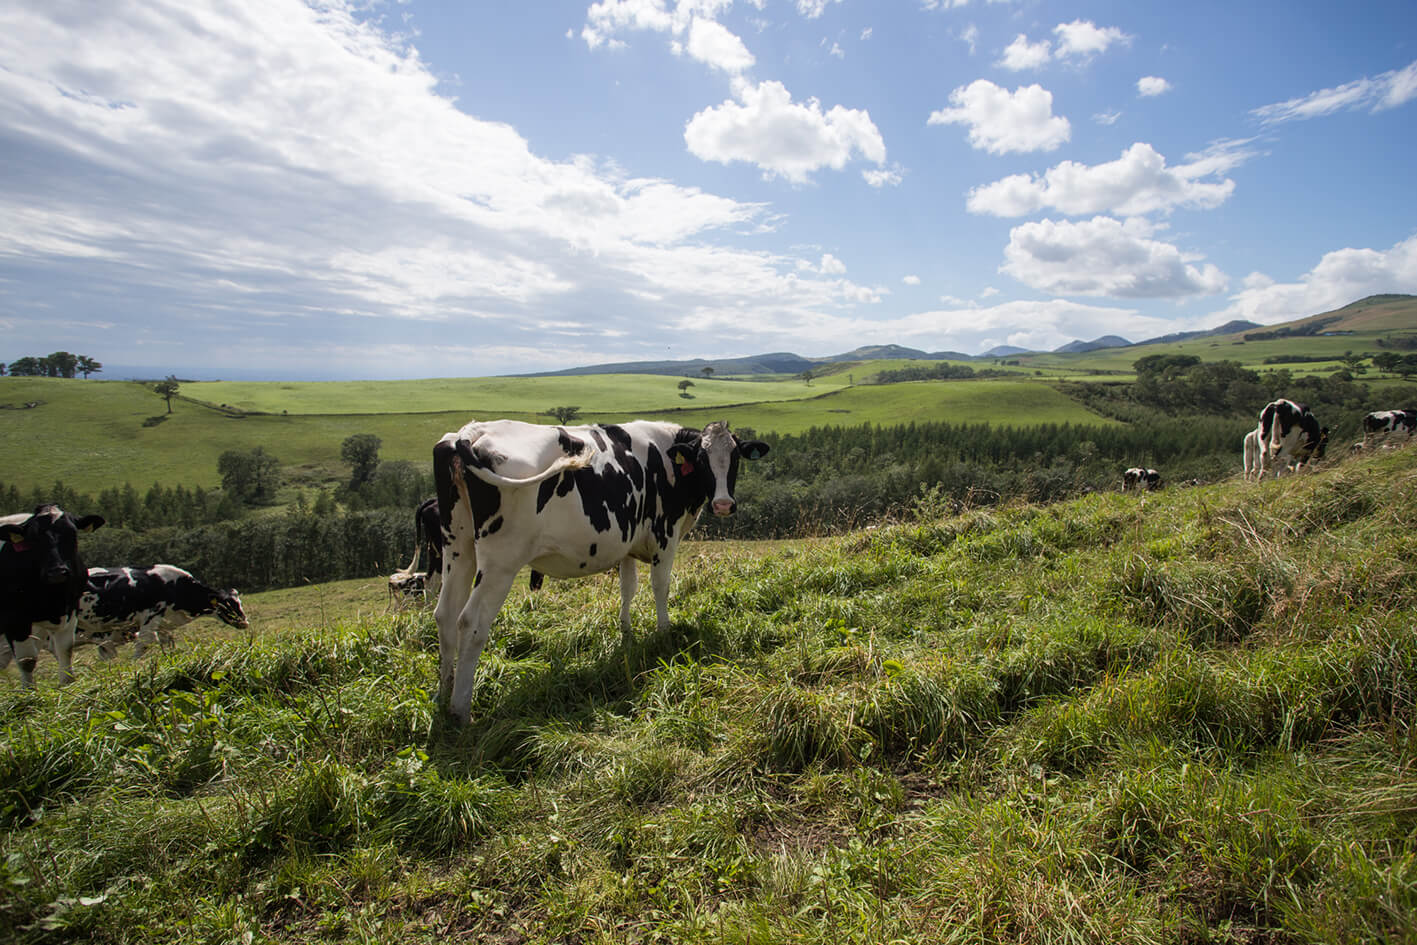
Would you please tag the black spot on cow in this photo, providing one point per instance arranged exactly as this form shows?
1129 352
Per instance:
592 550
569 444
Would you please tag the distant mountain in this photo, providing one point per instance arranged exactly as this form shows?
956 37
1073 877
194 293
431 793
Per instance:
1004 351
779 362
1229 328
1082 347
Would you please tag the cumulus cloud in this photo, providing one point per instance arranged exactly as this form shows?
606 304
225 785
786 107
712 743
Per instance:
1082 39
1105 256
1077 41
1001 121
1138 182
272 175
785 138
1021 54
1388 90
713 44
812 9
1150 86
911 280
1340 277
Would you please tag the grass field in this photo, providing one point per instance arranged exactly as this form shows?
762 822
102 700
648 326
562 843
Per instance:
1180 717
107 441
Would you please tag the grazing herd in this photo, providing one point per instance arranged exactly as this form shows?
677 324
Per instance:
565 501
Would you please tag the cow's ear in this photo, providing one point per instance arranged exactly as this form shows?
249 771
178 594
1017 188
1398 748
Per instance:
753 449
89 523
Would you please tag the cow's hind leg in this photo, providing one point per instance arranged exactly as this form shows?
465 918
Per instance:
459 569
474 625
629 583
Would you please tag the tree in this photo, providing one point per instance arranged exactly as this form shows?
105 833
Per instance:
62 364
167 389
684 386
88 365
806 377
26 367
361 452
250 476
564 414
706 371
1387 361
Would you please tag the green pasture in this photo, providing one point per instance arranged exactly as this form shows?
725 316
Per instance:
499 396
93 435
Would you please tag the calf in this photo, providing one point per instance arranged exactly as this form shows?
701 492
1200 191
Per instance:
1139 478
119 604
1289 433
569 501
41 578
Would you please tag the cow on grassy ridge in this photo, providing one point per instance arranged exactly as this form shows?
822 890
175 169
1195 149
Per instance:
41 578
1382 422
569 501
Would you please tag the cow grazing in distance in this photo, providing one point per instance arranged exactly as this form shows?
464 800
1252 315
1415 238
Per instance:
1383 422
147 604
1139 478
428 542
569 501
1252 455
1289 433
41 578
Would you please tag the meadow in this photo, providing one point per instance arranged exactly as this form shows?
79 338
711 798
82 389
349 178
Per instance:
112 434
1179 717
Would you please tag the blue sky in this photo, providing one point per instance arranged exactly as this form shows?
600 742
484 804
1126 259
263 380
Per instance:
282 189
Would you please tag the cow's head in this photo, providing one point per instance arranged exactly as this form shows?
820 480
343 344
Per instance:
227 607
710 459
49 541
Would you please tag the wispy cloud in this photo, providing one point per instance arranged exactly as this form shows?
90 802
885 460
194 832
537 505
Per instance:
1388 90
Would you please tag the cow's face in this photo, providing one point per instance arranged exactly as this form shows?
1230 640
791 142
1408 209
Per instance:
227 606
49 541
715 463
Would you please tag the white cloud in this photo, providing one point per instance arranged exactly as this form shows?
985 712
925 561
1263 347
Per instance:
1388 90
1021 54
970 35
784 138
866 34
1340 277
812 9
1001 121
911 280
1106 118
1150 86
831 266
879 177
1138 182
1082 39
712 43
1105 256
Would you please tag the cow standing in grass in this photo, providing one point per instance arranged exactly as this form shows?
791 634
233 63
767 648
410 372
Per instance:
1289 434
146 605
41 578
570 502
1138 478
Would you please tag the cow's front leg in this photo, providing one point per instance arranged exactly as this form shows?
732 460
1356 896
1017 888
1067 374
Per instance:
459 569
474 625
659 574
61 641
147 635
26 656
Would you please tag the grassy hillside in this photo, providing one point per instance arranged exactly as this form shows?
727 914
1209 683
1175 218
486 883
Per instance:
96 434
1186 717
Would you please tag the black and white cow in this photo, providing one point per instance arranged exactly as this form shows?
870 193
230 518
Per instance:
569 501
1381 422
1289 433
147 604
41 578
1139 478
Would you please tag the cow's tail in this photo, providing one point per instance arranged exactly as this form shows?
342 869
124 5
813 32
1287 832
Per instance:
578 461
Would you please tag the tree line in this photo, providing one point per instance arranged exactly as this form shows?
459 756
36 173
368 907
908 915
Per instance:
58 364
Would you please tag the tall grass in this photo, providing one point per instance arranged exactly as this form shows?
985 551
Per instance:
1185 717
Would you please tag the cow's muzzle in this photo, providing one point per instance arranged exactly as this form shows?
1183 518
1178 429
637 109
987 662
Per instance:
723 507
